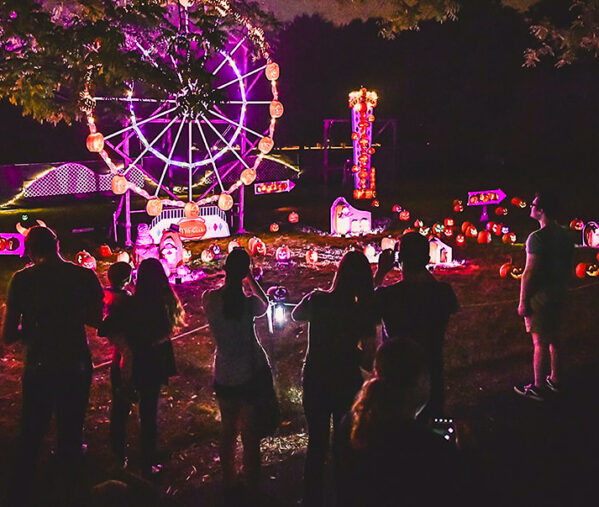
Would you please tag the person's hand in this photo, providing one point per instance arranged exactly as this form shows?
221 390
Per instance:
386 260
523 309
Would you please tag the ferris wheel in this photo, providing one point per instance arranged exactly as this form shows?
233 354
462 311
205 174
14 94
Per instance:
218 119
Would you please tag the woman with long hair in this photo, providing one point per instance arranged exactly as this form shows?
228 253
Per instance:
239 361
342 337
155 312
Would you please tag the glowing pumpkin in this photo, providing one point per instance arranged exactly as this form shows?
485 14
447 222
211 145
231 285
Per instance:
484 237
577 225
293 217
225 202
449 222
593 270
256 246
95 142
499 211
154 207
272 71
404 215
516 273
207 255
388 243
85 259
105 251
232 245
248 176
216 250
460 240
396 208
465 226
311 256
418 223
123 257
448 232
509 238
192 210
458 208
119 184
274 227
505 269
283 254
265 145
276 109
581 269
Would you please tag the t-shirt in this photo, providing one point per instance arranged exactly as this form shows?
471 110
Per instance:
553 248
418 310
55 301
336 328
238 352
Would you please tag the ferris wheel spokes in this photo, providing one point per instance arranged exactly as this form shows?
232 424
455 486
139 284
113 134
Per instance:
228 120
241 77
170 155
231 53
231 148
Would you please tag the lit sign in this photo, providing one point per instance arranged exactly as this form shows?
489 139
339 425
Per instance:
12 244
484 197
273 187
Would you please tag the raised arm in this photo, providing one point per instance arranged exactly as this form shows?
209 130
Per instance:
385 265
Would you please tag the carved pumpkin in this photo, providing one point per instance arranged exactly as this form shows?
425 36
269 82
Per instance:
311 256
404 215
460 240
232 245
449 222
465 226
207 255
505 269
283 254
95 142
509 238
225 202
293 217
119 184
593 270
276 109
396 208
154 207
472 232
500 210
105 251
448 232
388 243
516 273
85 259
272 71
581 269
484 237
577 225
265 145
274 227
256 246
248 176
192 210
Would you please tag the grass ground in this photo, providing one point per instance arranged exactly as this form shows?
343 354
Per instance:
486 352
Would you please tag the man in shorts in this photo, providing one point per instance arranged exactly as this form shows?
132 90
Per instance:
543 292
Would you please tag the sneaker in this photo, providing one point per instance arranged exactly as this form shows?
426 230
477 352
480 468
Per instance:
551 384
529 391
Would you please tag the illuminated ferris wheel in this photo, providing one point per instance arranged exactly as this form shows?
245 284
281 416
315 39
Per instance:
190 139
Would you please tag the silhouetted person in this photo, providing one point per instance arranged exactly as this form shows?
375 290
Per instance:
342 330
117 302
418 307
153 315
239 363
543 289
387 458
49 303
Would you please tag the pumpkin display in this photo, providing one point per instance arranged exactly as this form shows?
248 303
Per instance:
225 202
311 256
192 210
154 207
248 176
95 142
283 254
119 184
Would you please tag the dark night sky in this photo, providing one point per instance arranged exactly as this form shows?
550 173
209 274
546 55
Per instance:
458 91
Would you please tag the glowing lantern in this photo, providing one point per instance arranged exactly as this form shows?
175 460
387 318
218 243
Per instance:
516 273
388 243
123 257
276 109
154 207
85 259
272 71
293 217
396 208
311 256
438 228
418 223
105 251
505 229
449 222
232 245
460 240
274 227
471 232
283 254
465 226
458 208
248 176
484 237
593 270
119 184
265 145
95 142
256 246
516 201
192 210
207 255
496 229
375 203
448 232
509 238
404 215
577 225
500 211
215 247
505 269
581 269
225 202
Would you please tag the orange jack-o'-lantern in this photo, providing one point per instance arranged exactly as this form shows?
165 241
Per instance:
293 217
232 245
396 208
465 226
500 210
274 227
119 184
283 254
448 232
460 240
505 269
581 269
484 237
276 109
105 251
404 215
95 142
248 176
272 71
154 207
472 232
256 246
577 225
311 256
85 259
516 272
225 202
265 145
509 238
449 222
192 210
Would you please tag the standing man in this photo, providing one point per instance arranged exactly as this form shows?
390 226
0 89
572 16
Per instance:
417 308
543 292
49 303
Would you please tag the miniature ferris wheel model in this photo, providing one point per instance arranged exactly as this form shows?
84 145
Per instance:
199 132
